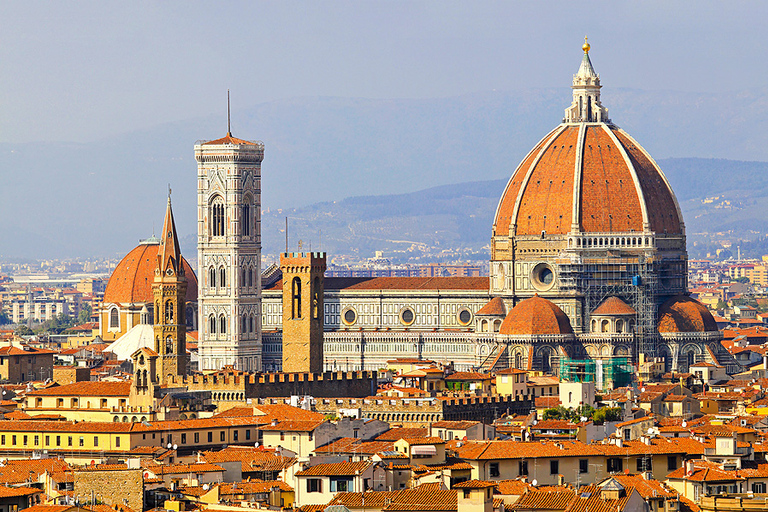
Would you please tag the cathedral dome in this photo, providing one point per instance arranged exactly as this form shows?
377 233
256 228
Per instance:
587 176
131 281
684 314
613 306
536 316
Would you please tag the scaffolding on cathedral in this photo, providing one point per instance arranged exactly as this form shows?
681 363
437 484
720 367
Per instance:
633 279
606 373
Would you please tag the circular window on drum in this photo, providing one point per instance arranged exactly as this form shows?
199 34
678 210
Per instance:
464 316
543 277
349 316
407 316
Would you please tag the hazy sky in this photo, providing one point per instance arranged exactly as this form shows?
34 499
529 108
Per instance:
79 71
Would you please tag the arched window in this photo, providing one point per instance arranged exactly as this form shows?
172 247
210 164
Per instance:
217 217
246 220
169 312
316 301
114 319
518 360
243 282
251 324
604 326
296 298
250 276
223 325
146 381
245 324
169 345
222 277
212 277
212 325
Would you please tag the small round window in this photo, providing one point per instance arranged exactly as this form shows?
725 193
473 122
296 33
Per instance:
543 276
349 316
464 316
407 316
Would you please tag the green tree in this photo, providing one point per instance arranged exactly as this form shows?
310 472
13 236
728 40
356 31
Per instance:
4 318
744 280
85 314
57 324
23 330
721 304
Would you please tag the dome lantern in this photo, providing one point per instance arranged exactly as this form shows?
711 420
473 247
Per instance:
586 106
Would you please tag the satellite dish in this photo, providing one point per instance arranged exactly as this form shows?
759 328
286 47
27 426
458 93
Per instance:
684 424
642 390
170 446
583 419
175 446
256 444
650 430
206 487
535 482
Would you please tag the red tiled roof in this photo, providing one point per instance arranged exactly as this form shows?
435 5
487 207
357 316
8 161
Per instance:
614 306
229 139
536 315
495 307
86 388
684 314
336 469
394 434
131 281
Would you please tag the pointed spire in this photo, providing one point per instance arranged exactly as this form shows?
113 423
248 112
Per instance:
169 254
586 106
586 69
229 126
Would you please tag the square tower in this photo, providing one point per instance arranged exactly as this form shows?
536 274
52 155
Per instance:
229 252
303 311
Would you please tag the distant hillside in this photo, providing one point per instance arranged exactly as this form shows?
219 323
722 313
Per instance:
99 198
460 216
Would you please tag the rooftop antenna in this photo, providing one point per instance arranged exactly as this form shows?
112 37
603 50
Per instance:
229 130
286 235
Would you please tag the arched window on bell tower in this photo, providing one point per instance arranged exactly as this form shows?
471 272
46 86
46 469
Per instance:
169 345
212 278
217 216
296 298
169 312
316 299
246 220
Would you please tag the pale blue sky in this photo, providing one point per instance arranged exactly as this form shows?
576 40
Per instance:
79 71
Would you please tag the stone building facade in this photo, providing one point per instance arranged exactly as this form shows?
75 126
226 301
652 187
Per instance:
229 252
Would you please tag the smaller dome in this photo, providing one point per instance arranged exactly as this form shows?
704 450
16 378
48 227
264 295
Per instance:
613 306
536 316
495 307
684 314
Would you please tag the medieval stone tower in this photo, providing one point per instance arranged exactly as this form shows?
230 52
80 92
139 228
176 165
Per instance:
303 311
229 252
169 290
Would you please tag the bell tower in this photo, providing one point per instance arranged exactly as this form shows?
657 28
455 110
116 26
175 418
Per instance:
169 290
229 252
303 311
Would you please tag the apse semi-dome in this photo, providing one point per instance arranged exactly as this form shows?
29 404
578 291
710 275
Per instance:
131 281
536 316
684 314
587 176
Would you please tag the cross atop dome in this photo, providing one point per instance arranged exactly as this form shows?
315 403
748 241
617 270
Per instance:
586 106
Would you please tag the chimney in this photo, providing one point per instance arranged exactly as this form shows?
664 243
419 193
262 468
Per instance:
688 468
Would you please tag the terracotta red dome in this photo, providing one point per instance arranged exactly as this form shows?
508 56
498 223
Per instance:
494 307
535 316
618 187
131 281
684 314
614 306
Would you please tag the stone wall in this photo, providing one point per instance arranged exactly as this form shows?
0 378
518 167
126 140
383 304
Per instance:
112 487
238 387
